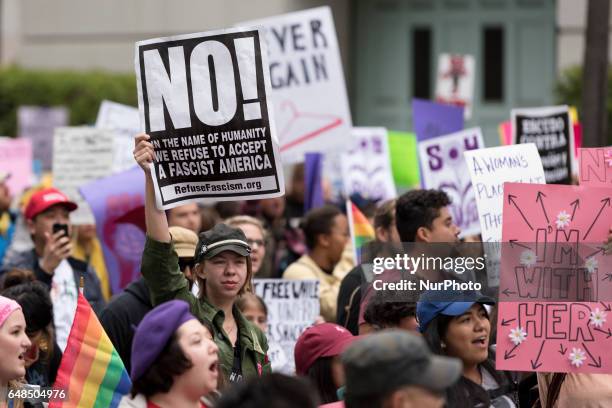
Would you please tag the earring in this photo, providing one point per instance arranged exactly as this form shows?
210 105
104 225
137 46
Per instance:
443 344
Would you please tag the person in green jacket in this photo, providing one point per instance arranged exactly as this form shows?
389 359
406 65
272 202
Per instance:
223 272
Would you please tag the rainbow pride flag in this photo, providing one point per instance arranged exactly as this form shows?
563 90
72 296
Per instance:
361 229
91 372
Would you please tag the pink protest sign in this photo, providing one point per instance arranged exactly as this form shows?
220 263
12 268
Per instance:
16 158
547 226
505 133
595 166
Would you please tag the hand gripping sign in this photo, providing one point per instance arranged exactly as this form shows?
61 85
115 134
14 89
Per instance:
204 100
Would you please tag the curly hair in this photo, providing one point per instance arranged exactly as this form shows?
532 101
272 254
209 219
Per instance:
383 312
416 209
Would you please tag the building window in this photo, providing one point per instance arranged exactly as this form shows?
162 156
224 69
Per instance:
493 64
421 62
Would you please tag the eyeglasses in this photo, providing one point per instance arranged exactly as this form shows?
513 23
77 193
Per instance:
259 242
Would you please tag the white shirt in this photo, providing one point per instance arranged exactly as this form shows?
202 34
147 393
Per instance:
64 294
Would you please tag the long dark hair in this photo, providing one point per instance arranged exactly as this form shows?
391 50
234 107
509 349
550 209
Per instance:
320 374
465 393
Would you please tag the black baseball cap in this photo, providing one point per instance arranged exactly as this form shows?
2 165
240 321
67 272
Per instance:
221 238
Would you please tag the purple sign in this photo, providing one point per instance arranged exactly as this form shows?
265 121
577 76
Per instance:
118 206
444 168
38 123
432 119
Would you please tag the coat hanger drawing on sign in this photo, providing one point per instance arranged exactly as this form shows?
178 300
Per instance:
314 124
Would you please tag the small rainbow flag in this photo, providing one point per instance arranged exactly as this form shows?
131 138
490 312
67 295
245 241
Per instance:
91 373
361 229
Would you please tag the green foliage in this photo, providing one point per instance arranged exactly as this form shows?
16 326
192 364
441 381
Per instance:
81 92
568 90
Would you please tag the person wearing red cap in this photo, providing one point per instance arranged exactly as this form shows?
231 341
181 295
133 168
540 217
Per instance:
317 356
51 260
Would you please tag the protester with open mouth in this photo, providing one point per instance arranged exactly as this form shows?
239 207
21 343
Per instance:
223 271
174 360
14 343
456 324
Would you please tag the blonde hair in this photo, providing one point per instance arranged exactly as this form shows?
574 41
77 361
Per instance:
12 385
238 220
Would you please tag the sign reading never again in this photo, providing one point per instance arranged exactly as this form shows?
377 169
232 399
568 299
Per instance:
203 99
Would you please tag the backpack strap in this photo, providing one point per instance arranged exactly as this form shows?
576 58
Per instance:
554 389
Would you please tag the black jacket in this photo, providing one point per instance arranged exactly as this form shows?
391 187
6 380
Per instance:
123 314
349 300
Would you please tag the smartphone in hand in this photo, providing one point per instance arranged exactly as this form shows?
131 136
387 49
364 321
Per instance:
60 227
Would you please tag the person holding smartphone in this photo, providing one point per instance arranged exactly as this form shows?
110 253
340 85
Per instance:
47 217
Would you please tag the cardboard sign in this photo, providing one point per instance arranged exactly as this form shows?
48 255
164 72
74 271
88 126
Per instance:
555 336
595 166
444 168
551 130
81 155
124 121
112 199
366 168
308 89
292 308
455 81
204 100
432 119
404 159
16 159
38 123
489 169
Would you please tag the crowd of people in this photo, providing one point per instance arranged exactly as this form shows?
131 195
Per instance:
191 332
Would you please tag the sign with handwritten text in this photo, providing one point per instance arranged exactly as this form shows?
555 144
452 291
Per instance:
595 166
444 168
489 169
366 168
553 230
292 307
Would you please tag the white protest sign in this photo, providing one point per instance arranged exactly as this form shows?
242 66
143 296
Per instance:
204 100
443 168
455 81
551 130
489 169
309 92
293 305
366 166
37 123
124 121
80 156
